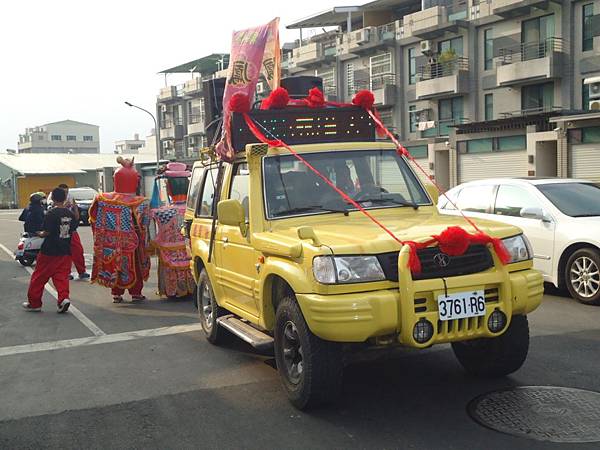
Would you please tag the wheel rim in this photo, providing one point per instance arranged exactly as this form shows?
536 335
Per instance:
585 277
206 306
292 353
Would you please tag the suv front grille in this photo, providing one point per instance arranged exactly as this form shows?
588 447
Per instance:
476 259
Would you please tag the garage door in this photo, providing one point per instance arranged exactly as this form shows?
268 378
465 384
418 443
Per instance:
490 165
584 162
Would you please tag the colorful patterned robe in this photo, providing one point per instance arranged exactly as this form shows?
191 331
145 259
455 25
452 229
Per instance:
120 226
174 274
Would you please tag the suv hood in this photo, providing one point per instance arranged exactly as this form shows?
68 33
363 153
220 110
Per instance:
359 235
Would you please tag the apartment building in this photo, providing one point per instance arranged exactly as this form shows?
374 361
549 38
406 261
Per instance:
473 89
181 109
131 146
65 136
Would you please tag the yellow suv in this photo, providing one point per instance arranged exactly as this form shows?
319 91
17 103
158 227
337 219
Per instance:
283 262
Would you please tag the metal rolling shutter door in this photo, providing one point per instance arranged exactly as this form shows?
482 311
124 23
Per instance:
478 166
584 163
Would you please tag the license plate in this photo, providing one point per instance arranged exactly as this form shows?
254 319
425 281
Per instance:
460 305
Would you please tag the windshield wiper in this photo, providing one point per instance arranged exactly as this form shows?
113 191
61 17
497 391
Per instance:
390 200
303 209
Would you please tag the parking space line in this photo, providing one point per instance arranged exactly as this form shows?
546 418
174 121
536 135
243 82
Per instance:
96 340
72 309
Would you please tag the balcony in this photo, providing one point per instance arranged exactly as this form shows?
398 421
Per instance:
168 94
433 22
442 79
367 39
192 87
195 124
530 61
311 54
514 8
171 129
443 127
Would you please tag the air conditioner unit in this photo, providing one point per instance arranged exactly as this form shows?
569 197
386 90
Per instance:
594 105
426 47
363 36
163 108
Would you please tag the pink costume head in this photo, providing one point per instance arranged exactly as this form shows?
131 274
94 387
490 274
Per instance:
126 178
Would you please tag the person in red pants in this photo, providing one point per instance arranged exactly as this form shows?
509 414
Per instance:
54 260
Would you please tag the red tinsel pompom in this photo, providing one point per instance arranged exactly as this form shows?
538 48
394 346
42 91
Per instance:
454 241
315 98
279 98
239 103
365 99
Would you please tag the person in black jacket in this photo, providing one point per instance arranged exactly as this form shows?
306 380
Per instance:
33 215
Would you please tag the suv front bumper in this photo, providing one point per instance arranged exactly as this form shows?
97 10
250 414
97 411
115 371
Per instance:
359 316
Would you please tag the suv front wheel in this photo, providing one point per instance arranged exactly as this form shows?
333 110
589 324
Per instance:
208 310
582 276
498 356
310 368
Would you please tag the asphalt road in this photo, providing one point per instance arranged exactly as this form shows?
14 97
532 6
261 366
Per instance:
142 376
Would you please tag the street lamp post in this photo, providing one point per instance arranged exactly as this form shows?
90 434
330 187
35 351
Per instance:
156 132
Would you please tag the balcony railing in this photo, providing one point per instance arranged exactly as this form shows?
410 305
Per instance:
531 111
443 128
375 82
527 51
195 118
442 69
169 123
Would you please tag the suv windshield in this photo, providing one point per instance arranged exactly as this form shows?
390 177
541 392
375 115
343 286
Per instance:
574 199
83 194
374 178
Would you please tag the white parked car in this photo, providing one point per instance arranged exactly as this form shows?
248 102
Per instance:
561 218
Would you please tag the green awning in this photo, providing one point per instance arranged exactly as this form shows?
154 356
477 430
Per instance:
206 66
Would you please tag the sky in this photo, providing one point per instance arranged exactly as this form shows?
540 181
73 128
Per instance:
80 60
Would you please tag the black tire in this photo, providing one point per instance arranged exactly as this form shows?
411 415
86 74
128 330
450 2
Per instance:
213 332
317 377
26 261
496 357
582 276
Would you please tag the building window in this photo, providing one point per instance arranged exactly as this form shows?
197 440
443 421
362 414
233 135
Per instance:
590 135
587 34
489 106
350 79
412 66
71 138
496 144
412 119
418 151
455 45
88 138
450 112
537 97
488 49
56 137
381 70
585 96
480 145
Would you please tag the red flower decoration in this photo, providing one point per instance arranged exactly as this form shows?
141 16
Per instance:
239 103
315 98
454 241
278 99
365 99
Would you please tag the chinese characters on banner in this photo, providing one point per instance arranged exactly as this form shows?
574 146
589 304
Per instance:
254 51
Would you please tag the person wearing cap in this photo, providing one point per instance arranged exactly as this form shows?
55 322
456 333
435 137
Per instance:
33 215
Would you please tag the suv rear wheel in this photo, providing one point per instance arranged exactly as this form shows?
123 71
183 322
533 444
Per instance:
582 276
208 310
499 356
310 368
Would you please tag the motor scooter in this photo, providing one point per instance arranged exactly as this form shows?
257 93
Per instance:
28 248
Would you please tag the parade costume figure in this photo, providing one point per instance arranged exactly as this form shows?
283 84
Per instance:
120 222
175 278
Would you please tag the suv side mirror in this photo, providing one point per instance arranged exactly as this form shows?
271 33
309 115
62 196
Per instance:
433 193
231 212
531 212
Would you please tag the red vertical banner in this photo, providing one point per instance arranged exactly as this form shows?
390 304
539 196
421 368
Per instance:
254 51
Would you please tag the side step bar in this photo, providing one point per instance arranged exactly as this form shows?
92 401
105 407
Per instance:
256 338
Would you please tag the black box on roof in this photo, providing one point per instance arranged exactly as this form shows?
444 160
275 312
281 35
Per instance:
298 86
295 125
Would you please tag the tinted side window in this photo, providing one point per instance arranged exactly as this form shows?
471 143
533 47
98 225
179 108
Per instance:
194 188
475 198
205 207
511 199
240 184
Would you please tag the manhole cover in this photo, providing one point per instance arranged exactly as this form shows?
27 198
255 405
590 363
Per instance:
544 413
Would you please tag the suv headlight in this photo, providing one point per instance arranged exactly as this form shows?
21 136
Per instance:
519 248
347 269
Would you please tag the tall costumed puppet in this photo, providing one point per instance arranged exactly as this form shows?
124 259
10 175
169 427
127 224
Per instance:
175 277
120 222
